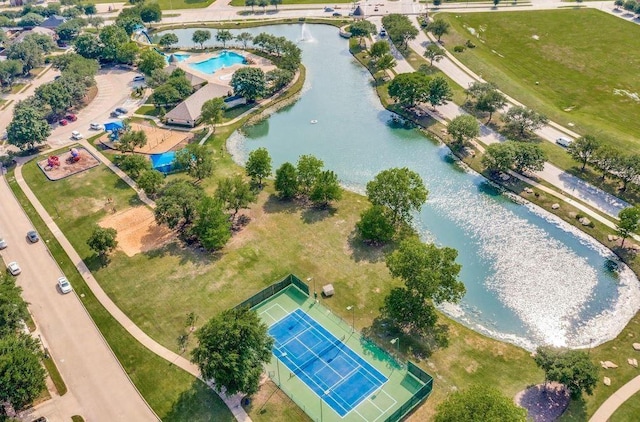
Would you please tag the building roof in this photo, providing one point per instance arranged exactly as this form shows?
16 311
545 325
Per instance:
53 21
190 109
37 30
195 80
358 12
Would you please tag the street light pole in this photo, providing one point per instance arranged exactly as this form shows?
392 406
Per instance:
353 317
396 341
315 293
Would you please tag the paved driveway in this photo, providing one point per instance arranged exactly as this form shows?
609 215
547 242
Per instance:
101 389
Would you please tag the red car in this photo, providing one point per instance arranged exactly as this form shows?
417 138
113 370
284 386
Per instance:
71 117
63 122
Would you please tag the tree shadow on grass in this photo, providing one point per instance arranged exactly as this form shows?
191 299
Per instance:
273 205
188 254
199 403
362 251
316 214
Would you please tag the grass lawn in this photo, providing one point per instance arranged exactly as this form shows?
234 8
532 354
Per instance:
173 394
169 4
569 75
52 369
629 411
148 110
240 3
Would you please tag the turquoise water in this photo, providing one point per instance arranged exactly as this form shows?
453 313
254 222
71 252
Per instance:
224 59
531 278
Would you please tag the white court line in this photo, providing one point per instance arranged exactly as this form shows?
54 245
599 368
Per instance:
273 306
387 409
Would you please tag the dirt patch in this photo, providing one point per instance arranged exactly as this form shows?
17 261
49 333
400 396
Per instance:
62 166
159 140
137 230
544 404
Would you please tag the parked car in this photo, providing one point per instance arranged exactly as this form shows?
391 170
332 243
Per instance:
336 14
138 78
71 117
563 142
95 126
63 122
14 268
76 136
122 110
4 136
114 114
3 243
328 9
64 285
383 33
375 9
33 236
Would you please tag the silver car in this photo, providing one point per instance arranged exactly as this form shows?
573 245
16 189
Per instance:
3 243
64 285
14 268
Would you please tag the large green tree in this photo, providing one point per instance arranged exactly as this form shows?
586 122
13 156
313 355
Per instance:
88 46
379 49
258 165
479 403
375 225
201 36
150 60
490 101
22 376
13 309
9 69
167 40
113 38
244 38
434 53
627 168
177 206
629 222
134 165
521 120
232 350
212 112
400 29
102 240
325 189
55 95
235 193
409 88
249 82
584 149
151 181
399 190
438 27
28 52
463 128
362 29
224 36
197 160
438 91
286 183
150 12
131 140
308 170
572 368
28 127
212 226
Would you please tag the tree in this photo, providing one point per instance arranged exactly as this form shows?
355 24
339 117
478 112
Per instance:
263 4
362 29
244 38
409 311
400 29
250 3
232 349
386 62
197 160
496 2
379 49
131 140
235 193
113 38
212 227
165 94
249 82
30 20
258 165
286 183
151 181
529 157
509 155
150 60
178 204
90 9
627 169
409 88
521 120
9 69
22 376
275 3
70 29
88 46
134 165
499 157
278 79
150 12
618 3
399 190
325 189
102 240
375 225
606 159
479 403
28 52
572 368
438 27
55 96
13 309
490 102
212 112
200 36
28 127
167 40
308 170
584 149
434 53
179 81
223 36
127 53
439 91
629 222
463 128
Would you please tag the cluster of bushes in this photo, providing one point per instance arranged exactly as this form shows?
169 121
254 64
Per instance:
630 5
112 45
131 18
31 51
171 89
284 53
308 181
410 89
513 155
400 29
34 15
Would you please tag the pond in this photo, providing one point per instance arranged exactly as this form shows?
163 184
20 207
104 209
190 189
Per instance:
531 278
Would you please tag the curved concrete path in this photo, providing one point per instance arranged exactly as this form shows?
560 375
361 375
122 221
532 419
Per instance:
607 409
233 402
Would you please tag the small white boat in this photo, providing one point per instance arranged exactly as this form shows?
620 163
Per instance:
313 122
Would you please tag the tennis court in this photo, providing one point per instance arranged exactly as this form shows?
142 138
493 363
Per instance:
325 364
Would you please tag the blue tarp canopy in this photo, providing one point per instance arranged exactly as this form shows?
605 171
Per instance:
163 162
114 125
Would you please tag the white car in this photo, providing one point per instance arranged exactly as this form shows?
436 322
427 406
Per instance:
95 126
75 135
3 243
14 268
64 285
564 142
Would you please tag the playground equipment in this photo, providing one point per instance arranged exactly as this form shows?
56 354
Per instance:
52 161
75 156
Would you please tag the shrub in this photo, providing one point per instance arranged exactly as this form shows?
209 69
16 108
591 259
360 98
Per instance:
458 48
469 44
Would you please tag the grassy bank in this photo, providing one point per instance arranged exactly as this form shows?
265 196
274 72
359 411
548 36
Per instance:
567 75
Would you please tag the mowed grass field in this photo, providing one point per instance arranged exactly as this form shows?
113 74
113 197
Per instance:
576 66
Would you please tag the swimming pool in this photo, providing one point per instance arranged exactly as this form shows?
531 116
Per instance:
224 59
178 56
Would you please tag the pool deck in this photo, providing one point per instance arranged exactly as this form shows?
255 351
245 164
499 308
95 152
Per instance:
223 76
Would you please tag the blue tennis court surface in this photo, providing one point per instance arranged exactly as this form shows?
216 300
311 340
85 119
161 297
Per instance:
323 362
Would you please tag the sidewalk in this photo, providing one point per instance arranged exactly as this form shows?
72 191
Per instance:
608 408
233 403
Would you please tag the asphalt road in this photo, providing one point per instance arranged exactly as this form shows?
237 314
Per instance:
99 388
